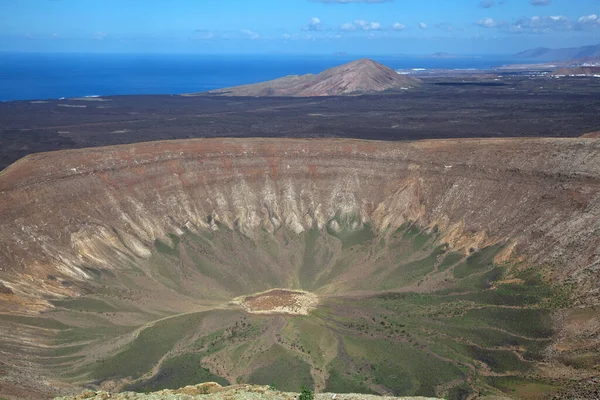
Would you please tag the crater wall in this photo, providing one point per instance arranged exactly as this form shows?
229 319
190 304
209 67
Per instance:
65 213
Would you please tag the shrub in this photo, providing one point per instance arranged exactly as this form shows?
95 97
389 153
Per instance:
306 394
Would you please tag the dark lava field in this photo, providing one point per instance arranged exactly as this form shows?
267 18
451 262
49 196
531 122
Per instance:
460 107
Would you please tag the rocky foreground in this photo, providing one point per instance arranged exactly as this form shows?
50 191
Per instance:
215 391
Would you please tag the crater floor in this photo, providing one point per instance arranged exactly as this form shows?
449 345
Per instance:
279 301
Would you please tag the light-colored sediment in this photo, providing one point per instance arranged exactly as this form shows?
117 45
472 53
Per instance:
278 301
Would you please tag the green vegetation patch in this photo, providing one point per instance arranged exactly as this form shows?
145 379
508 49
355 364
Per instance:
38 322
480 281
522 388
164 248
313 337
500 361
312 260
404 369
150 345
532 323
85 304
340 381
413 271
502 297
100 331
177 372
65 350
478 261
459 392
350 238
581 360
480 320
451 259
283 369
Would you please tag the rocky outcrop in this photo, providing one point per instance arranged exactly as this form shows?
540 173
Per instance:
64 214
215 391
358 77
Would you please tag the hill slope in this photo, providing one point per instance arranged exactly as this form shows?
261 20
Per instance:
358 77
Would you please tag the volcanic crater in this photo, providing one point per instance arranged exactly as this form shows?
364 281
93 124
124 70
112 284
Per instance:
441 267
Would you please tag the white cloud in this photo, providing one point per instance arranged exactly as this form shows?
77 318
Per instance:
203 34
422 25
587 19
361 25
370 26
487 23
541 24
348 27
486 3
314 24
398 26
540 2
250 34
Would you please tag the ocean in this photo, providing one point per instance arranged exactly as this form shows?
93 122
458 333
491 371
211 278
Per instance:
28 76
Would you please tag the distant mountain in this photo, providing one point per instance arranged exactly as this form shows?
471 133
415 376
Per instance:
358 77
570 53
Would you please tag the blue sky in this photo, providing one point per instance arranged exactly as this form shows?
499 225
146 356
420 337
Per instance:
297 26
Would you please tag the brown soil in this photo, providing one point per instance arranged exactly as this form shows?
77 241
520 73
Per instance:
591 135
278 301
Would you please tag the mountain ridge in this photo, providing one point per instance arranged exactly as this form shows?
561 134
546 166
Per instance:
561 54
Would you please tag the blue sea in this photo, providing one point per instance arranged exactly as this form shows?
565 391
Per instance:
26 76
